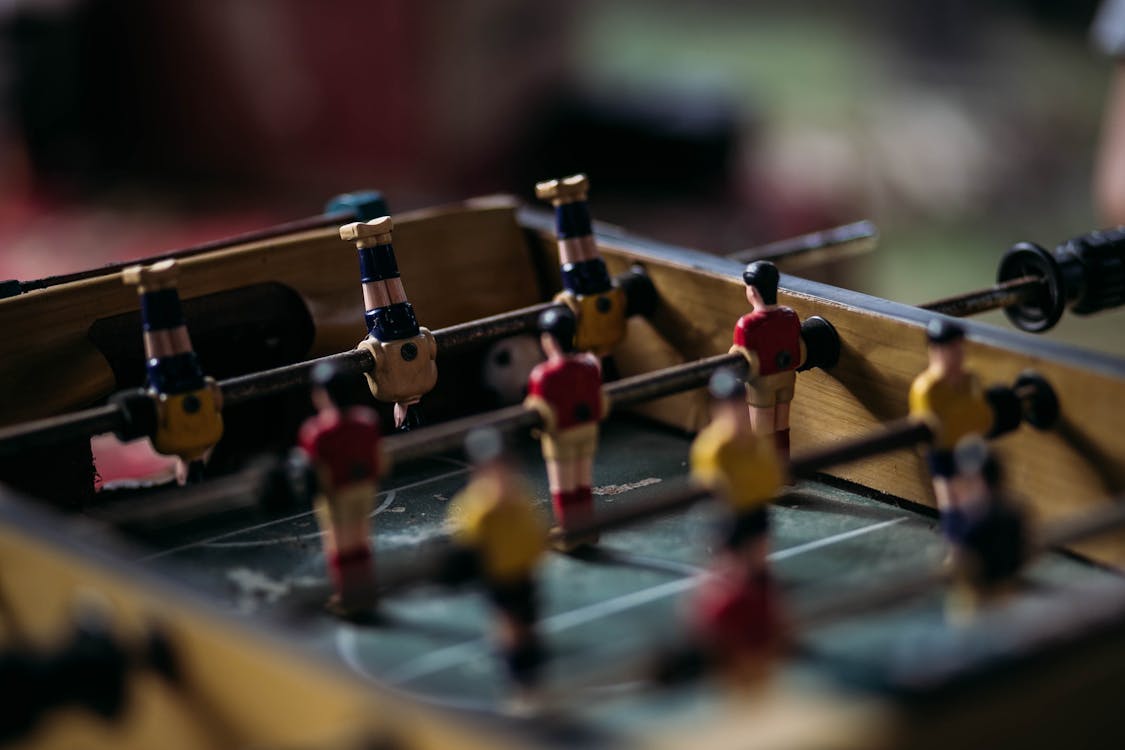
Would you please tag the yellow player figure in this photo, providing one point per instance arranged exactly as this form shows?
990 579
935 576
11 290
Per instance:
405 353
494 519
596 300
952 402
189 421
737 612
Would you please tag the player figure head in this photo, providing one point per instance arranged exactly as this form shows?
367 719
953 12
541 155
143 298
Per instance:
330 387
761 278
557 328
485 447
946 340
729 394
978 473
744 538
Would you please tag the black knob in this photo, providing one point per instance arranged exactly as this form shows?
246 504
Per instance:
822 344
641 297
1039 311
1094 268
1086 273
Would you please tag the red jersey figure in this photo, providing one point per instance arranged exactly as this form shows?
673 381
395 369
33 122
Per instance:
770 338
344 446
567 391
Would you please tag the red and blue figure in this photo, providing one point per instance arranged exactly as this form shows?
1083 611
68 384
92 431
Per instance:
404 352
188 403
597 301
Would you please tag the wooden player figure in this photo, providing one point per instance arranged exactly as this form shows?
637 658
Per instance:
769 336
597 302
988 532
188 404
566 390
737 612
494 519
404 352
952 402
344 445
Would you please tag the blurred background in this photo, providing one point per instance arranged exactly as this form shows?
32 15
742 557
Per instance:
130 127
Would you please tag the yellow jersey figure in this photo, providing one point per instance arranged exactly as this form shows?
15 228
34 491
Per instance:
189 419
729 457
596 300
951 401
495 521
738 617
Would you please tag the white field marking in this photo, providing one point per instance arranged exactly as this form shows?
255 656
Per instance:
264 524
263 542
255 587
385 504
617 489
295 538
450 656
785 554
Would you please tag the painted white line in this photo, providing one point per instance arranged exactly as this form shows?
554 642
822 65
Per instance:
236 532
450 656
785 554
385 504
273 541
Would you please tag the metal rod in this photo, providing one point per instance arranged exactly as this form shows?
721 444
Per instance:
652 385
451 340
450 435
54 430
993 298
269 382
485 330
848 239
269 233
901 433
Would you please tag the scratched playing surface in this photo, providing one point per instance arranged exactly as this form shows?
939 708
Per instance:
597 615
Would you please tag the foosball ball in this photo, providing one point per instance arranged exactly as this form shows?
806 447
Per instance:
571 488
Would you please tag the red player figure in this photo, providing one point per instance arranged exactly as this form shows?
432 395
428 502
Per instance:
567 391
738 616
770 338
344 446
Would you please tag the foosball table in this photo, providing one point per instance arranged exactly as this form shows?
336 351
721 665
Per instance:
547 502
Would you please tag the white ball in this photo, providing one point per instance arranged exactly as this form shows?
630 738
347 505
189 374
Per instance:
507 365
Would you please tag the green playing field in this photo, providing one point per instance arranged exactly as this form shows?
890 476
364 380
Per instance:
601 615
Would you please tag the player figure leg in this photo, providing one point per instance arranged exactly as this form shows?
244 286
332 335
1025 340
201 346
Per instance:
570 476
350 561
516 632
737 609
